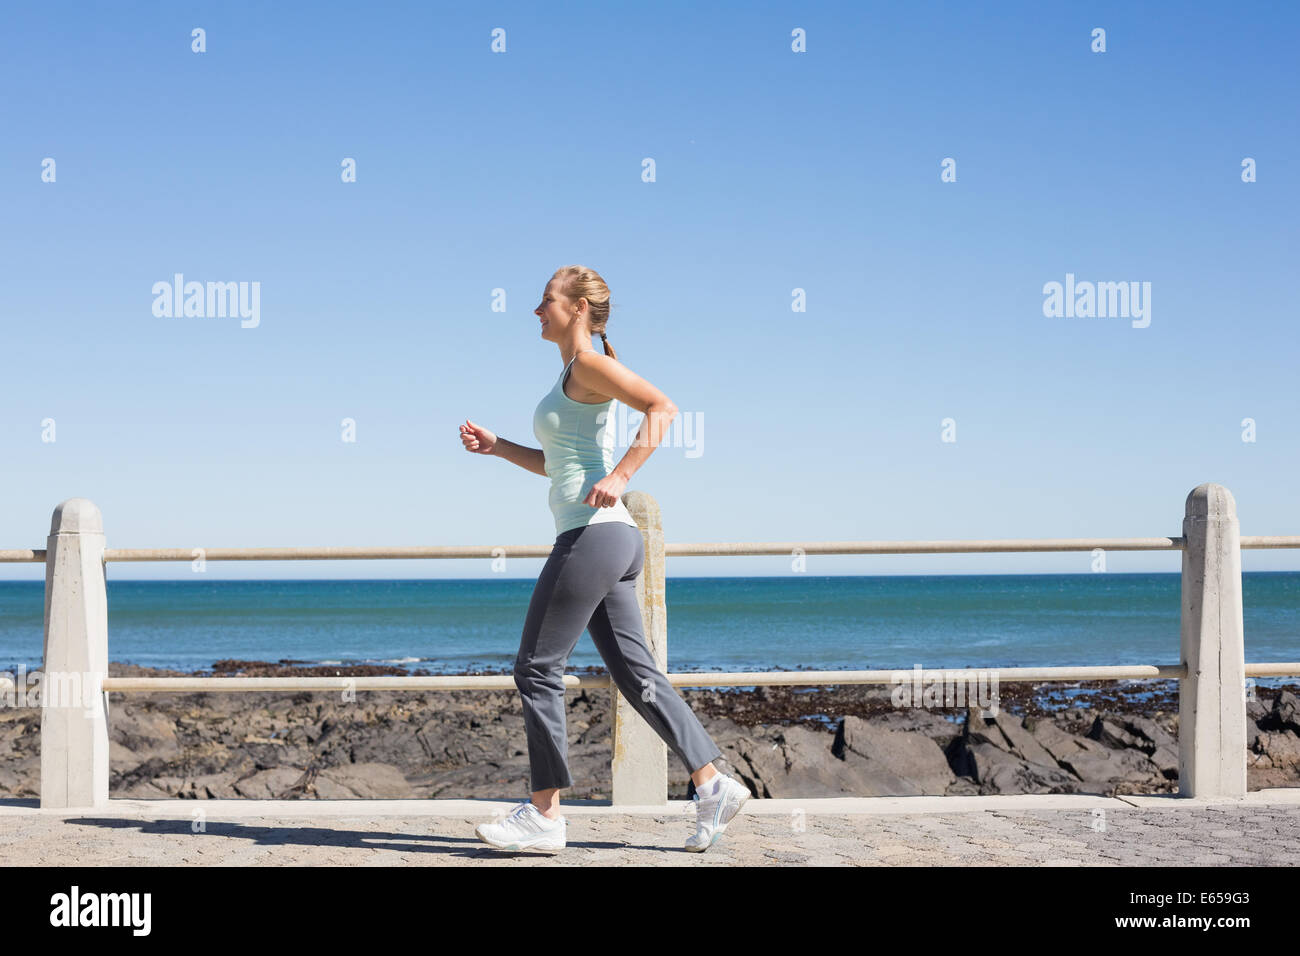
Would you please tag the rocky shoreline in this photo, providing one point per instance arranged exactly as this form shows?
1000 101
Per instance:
1097 737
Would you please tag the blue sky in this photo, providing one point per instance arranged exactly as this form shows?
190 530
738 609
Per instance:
774 171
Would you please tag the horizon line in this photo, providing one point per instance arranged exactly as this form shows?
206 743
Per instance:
685 577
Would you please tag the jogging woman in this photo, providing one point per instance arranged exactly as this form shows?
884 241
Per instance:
589 580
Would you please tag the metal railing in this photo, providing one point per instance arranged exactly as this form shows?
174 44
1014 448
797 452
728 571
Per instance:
1211 672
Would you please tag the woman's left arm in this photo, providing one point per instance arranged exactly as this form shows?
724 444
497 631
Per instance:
611 378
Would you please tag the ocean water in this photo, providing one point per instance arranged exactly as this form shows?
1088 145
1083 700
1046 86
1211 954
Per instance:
801 622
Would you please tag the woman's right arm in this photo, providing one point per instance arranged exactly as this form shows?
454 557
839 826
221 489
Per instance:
530 459
483 441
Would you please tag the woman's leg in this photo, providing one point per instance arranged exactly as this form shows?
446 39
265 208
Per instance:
616 628
582 567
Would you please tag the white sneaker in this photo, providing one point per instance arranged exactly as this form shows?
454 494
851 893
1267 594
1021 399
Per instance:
712 814
524 829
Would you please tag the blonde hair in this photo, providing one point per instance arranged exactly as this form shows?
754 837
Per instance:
579 282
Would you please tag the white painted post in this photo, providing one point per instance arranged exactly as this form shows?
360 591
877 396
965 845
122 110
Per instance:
1211 698
74 706
639 768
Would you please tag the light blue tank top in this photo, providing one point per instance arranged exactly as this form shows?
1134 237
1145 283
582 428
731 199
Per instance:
578 442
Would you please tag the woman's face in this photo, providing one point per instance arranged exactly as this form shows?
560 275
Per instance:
555 312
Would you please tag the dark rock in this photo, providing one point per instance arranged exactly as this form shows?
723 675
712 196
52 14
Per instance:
1142 734
1286 712
791 762
1108 732
1020 741
881 761
1279 750
998 771
995 753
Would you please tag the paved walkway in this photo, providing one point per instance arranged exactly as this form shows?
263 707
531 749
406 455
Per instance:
1071 830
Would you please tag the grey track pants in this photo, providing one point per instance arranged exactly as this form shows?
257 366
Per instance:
589 581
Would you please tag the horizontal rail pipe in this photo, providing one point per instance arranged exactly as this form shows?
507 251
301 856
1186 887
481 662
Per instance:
137 685
678 549
730 679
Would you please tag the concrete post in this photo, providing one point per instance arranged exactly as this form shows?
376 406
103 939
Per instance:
74 707
639 769
1211 698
